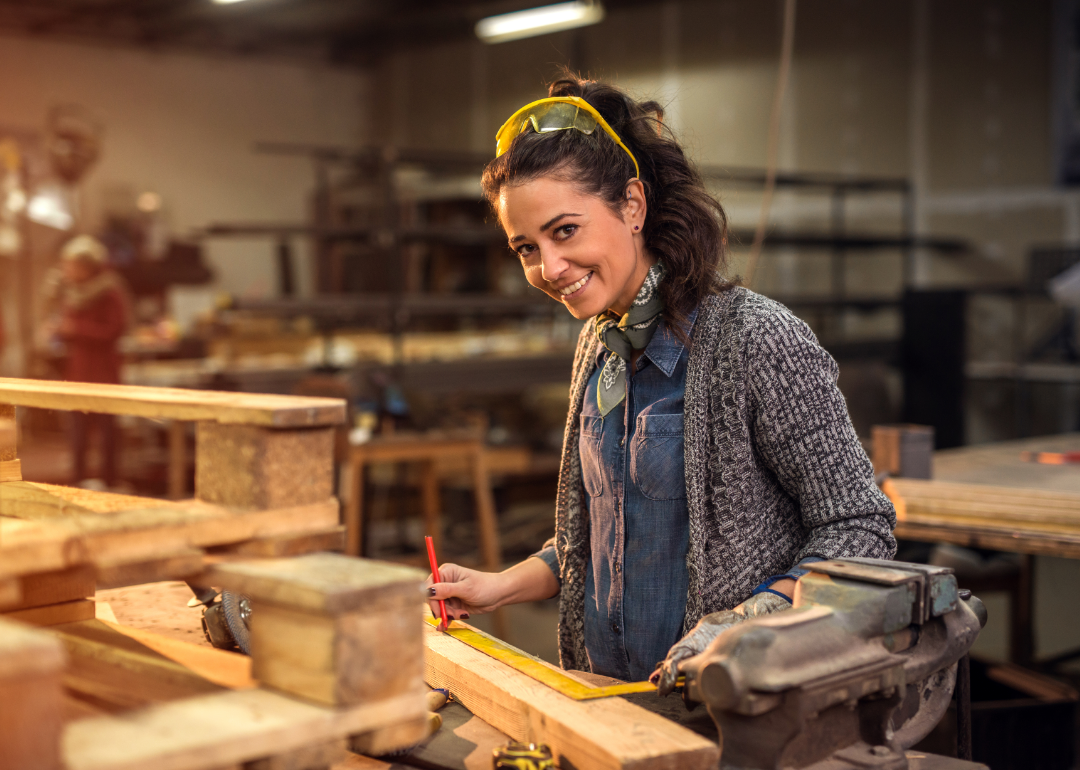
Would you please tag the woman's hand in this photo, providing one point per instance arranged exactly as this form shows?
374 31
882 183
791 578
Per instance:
467 591
707 629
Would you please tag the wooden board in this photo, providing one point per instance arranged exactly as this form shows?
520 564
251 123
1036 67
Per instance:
53 614
45 527
607 733
30 717
220 729
1004 518
174 403
10 470
323 583
54 587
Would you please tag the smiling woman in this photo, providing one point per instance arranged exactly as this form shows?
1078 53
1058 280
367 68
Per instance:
708 453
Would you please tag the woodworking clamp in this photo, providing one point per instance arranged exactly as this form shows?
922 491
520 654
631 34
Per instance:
859 670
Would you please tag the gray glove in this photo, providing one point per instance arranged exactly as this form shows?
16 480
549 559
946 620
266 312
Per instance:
707 629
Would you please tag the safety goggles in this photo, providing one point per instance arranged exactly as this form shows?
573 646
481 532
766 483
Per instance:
557 113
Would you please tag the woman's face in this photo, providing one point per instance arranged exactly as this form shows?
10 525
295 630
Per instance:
573 247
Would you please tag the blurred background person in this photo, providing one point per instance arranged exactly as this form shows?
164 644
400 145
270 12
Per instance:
91 315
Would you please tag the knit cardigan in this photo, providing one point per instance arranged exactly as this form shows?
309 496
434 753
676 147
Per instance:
774 471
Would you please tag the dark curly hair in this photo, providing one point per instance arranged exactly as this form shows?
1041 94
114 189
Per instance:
685 226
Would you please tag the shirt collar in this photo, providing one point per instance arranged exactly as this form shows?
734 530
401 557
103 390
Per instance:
664 349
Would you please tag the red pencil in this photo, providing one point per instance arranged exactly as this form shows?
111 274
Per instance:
435 578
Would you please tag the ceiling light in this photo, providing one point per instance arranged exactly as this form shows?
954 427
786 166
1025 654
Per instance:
227 2
539 21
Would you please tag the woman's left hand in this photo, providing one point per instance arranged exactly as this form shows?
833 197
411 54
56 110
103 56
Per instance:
707 629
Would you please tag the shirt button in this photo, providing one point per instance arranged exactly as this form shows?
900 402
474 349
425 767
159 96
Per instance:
615 627
618 567
622 441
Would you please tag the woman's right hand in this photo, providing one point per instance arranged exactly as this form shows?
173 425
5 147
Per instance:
467 591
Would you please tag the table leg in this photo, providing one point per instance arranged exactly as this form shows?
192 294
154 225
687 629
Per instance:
1021 633
485 513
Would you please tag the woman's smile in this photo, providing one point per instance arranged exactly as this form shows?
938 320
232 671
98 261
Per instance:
575 289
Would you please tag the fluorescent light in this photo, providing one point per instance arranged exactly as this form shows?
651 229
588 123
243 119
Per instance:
227 2
538 21
50 207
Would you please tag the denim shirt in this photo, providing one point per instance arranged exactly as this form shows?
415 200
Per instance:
632 469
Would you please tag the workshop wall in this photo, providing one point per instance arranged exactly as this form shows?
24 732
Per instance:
184 127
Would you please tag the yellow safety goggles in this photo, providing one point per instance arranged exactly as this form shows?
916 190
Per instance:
557 113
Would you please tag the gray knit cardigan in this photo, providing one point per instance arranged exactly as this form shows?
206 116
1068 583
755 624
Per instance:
774 471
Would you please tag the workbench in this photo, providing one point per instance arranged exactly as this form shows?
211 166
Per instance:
987 496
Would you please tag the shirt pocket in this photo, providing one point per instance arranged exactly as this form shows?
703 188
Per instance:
592 428
656 457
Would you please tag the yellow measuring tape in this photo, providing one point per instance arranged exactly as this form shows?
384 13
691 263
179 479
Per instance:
537 669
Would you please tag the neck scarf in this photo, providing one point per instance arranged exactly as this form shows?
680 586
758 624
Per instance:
622 336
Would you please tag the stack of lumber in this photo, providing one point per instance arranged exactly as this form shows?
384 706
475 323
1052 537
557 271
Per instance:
1003 518
325 628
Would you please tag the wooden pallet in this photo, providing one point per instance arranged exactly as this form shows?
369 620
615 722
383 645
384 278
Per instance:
326 628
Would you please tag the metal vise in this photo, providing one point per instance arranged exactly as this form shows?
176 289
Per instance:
860 669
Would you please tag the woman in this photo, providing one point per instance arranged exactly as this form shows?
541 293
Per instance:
708 452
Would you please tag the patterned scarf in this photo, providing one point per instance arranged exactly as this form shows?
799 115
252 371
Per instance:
622 336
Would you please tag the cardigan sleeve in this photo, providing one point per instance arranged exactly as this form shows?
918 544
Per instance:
802 432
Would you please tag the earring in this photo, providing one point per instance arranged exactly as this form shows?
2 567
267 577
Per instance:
636 228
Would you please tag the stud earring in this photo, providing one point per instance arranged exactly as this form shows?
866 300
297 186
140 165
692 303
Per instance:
636 227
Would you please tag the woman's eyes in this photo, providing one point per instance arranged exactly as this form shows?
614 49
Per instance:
560 234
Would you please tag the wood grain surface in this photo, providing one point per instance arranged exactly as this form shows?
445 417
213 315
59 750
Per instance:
173 403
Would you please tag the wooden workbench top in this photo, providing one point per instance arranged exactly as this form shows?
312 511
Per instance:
175 403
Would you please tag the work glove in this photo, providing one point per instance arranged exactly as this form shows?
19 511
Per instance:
707 629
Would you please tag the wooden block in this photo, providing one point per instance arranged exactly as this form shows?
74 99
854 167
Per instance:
247 466
53 614
31 719
220 729
331 628
605 733
172 403
309 758
340 660
8 435
378 743
55 587
321 583
10 470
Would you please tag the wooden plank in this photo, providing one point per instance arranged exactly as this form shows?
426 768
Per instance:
1015 542
608 733
119 669
220 729
32 546
247 466
175 403
319 756
10 470
8 433
53 614
321 583
97 527
226 669
332 539
30 719
54 587
185 563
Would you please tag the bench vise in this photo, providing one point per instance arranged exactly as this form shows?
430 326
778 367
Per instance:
859 670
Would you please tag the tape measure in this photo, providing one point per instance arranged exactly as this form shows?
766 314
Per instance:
554 678
522 756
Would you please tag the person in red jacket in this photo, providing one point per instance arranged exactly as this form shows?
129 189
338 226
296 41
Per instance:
93 318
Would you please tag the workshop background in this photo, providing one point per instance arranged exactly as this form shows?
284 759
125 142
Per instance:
291 193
